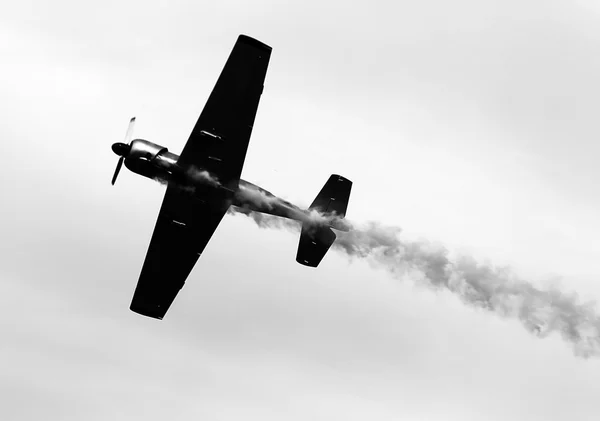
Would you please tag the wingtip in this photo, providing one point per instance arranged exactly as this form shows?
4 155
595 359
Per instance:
147 310
254 42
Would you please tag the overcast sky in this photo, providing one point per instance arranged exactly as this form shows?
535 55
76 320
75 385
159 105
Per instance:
470 123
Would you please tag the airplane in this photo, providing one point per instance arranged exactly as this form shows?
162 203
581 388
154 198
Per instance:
204 181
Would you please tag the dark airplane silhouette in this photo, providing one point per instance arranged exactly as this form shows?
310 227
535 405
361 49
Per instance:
204 181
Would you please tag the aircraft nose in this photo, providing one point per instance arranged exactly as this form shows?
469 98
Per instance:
121 149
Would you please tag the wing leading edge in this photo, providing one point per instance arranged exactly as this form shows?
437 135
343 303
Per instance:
219 140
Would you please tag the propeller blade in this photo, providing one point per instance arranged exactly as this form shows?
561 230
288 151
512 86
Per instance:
119 165
119 148
129 133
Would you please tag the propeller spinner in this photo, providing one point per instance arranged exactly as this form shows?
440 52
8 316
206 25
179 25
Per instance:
122 149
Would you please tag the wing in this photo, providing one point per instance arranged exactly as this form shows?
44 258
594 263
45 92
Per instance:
184 227
220 137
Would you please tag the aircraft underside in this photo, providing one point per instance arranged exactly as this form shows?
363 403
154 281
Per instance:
204 181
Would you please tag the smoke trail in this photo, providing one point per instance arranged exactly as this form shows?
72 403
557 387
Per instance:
261 199
203 177
264 220
194 177
498 290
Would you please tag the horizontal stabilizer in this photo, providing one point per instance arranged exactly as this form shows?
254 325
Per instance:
315 238
314 243
334 196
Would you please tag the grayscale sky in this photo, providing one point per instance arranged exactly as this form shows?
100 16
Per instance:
471 123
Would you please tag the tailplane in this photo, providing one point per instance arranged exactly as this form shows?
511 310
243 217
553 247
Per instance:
333 197
331 204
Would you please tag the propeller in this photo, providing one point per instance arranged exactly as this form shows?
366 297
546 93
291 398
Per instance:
119 165
122 149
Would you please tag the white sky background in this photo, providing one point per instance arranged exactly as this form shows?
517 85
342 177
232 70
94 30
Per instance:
469 123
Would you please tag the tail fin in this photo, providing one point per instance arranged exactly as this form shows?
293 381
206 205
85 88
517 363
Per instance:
316 240
334 196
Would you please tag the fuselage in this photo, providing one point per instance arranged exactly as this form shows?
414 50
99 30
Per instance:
156 162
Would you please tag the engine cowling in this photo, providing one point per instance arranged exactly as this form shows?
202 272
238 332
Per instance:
150 160
144 150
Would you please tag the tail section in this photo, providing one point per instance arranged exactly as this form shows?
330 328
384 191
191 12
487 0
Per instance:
332 201
334 196
314 243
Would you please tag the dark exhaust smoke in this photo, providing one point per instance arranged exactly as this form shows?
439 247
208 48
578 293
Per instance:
498 290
